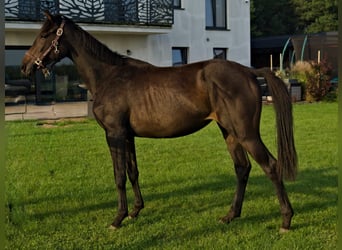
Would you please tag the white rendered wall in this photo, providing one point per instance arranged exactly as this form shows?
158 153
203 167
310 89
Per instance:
149 44
189 31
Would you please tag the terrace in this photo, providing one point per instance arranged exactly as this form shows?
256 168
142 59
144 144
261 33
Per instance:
119 12
23 18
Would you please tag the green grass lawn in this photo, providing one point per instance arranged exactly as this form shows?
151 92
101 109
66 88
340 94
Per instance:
60 190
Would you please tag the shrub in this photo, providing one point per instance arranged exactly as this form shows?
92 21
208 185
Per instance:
314 78
331 96
318 81
300 70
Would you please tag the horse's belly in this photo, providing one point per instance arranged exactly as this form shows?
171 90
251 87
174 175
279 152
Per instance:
167 126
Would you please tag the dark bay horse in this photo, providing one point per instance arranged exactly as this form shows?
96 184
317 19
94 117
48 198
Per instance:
134 98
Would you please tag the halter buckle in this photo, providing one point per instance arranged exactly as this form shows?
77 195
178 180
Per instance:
59 31
38 62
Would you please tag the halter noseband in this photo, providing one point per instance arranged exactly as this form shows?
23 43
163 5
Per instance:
54 45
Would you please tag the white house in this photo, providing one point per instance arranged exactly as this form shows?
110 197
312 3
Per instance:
162 32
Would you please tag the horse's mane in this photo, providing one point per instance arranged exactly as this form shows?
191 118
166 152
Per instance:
95 47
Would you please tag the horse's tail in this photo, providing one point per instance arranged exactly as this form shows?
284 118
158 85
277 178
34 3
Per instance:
287 156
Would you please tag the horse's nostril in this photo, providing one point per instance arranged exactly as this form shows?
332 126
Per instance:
25 69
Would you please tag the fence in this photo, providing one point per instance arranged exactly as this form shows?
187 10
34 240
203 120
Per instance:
122 12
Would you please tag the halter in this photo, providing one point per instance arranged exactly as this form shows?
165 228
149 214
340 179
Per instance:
54 45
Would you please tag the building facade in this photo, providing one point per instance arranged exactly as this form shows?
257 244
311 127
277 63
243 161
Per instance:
161 32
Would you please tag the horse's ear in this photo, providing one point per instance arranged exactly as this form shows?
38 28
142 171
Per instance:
48 15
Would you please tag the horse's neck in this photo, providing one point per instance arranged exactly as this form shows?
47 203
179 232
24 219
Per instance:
91 68
94 69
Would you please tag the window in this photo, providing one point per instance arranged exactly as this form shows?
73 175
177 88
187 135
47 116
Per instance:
177 4
220 53
216 14
179 56
62 85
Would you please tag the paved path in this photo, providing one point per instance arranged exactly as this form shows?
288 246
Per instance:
43 112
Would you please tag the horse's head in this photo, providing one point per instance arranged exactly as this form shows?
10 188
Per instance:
47 48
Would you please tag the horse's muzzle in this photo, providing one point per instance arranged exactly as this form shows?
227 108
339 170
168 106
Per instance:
27 67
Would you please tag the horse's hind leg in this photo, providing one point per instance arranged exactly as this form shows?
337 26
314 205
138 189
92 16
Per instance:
242 167
269 164
133 175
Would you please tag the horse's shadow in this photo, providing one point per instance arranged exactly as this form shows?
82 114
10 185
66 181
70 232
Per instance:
318 185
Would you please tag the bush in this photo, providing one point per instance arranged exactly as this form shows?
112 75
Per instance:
315 79
318 81
300 70
331 96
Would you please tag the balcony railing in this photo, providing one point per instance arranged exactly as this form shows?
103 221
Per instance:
122 12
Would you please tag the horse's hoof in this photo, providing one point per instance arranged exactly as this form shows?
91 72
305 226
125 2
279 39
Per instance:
226 219
284 230
223 221
111 227
133 215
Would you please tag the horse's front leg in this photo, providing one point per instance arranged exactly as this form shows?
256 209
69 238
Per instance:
117 146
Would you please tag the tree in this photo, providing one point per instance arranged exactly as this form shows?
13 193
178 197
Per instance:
270 18
285 17
316 15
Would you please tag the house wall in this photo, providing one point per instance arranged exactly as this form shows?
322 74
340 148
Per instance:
155 46
189 31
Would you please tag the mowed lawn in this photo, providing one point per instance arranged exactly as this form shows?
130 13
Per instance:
60 191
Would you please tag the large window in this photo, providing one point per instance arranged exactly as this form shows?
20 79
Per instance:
179 56
62 85
216 14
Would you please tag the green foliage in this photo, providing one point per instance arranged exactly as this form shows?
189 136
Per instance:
269 18
317 85
317 15
300 70
286 17
331 96
60 192
315 79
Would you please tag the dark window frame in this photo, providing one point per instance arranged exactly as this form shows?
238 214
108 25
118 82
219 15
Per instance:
177 4
213 13
183 54
218 55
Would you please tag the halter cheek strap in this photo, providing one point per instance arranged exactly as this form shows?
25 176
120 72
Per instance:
54 45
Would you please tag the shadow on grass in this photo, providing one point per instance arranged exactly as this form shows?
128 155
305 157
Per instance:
314 190
319 186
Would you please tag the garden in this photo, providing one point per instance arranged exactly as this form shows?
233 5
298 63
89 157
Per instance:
60 191
315 78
